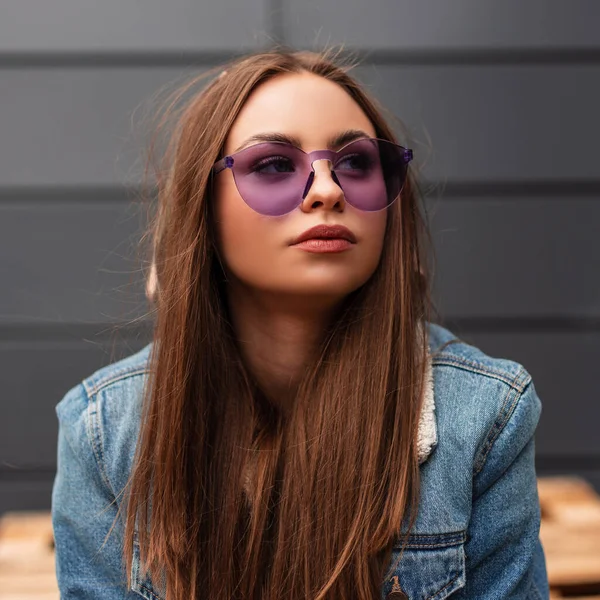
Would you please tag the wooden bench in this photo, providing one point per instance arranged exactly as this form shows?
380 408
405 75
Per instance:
570 534
27 570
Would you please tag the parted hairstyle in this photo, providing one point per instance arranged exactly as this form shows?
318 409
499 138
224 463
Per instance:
336 480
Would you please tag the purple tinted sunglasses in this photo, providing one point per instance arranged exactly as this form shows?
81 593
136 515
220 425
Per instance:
273 178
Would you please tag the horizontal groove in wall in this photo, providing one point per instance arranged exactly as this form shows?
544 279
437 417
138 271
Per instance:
451 56
74 332
567 463
24 60
453 190
543 463
522 324
16 474
482 56
521 190
57 195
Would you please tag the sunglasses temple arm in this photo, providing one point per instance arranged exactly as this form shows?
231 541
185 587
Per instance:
218 166
225 163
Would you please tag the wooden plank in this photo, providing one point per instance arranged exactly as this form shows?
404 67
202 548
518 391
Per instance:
27 558
570 532
29 525
569 489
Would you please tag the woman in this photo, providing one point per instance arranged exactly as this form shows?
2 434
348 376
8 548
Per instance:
303 429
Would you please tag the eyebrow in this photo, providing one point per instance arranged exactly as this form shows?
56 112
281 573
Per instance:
334 142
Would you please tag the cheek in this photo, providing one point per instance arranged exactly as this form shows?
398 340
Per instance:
372 229
247 240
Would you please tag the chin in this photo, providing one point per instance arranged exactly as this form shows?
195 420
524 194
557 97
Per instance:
331 287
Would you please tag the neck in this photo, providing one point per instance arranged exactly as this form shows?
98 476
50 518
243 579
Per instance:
278 336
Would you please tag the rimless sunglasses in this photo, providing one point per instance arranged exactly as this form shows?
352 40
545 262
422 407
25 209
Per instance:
273 178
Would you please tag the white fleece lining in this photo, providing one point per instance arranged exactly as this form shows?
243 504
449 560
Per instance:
427 435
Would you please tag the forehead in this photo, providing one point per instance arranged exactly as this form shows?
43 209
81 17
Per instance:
303 105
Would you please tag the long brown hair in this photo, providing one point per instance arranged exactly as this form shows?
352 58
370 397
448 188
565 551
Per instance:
335 482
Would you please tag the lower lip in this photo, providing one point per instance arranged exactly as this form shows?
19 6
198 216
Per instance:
324 245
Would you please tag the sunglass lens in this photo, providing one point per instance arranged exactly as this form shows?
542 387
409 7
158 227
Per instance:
371 173
270 177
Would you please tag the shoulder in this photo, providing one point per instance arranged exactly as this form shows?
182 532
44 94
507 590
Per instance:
100 416
448 350
486 411
479 396
134 365
109 380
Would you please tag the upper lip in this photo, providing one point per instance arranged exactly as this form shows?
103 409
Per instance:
326 232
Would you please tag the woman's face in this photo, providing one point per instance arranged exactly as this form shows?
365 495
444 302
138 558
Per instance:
258 250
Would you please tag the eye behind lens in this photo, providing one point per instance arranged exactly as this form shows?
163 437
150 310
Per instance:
363 161
280 165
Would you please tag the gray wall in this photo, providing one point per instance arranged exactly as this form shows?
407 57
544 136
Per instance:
501 100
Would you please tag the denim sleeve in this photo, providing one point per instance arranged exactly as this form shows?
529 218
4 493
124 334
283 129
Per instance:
504 556
84 508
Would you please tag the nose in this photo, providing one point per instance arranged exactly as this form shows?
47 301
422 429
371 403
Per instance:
323 189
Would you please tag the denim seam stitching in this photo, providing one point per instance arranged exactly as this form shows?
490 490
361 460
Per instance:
447 585
496 429
504 415
140 584
149 591
468 365
420 541
442 355
448 534
118 376
440 545
90 390
97 445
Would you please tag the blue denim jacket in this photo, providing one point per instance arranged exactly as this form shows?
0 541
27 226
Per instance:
477 531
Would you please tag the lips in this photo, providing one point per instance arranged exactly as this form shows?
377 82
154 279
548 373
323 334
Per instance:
326 232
